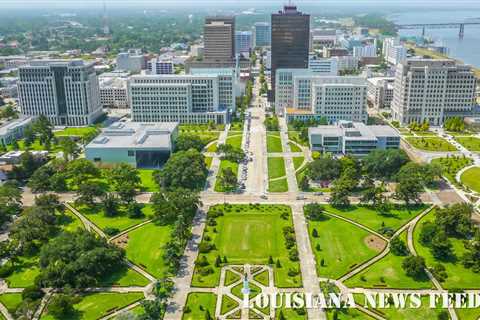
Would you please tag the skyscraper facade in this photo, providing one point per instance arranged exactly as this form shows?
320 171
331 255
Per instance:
263 34
219 39
290 40
243 41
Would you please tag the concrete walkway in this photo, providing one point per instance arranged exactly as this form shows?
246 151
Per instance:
289 168
215 166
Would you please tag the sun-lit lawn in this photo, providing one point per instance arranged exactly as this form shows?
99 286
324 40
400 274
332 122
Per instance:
212 147
35 146
471 178
294 147
25 272
147 181
223 165
468 314
98 305
347 314
274 143
451 165
297 162
75 131
197 305
458 275
235 140
471 143
341 246
276 167
431 144
238 234
70 222
208 162
199 127
295 136
120 222
145 248
124 277
397 217
279 185
11 301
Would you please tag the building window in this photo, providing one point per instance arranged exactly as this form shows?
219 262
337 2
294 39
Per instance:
131 153
97 159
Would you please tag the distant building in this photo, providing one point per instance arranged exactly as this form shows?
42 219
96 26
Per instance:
290 41
138 144
324 66
380 91
65 91
323 38
365 51
243 42
197 50
113 90
302 94
13 130
345 63
159 66
432 90
263 34
352 138
394 52
132 61
335 52
219 39
14 157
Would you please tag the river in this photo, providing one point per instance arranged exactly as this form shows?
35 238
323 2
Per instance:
466 49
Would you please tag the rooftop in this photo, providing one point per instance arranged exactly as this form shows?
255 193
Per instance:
135 135
5 128
354 131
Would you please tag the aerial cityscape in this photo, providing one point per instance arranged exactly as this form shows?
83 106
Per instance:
201 160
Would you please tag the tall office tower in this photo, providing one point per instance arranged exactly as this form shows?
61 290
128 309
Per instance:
290 41
263 34
432 90
159 66
243 41
65 91
219 39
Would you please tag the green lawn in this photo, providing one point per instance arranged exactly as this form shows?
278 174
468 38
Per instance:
198 303
35 146
97 305
262 277
295 136
343 246
471 179
468 314
451 165
11 301
388 273
231 278
236 126
223 165
369 217
228 304
120 222
274 143
147 181
297 162
458 275
78 132
26 270
235 141
208 162
294 147
70 222
145 248
125 277
348 314
212 147
249 234
199 127
471 143
430 143
276 167
280 185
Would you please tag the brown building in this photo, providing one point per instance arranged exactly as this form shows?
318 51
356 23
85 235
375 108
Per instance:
219 39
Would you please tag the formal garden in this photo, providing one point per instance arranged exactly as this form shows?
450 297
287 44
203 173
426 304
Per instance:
470 178
471 143
274 142
451 165
277 181
432 144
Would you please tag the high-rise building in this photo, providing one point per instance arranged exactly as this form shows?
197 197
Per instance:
65 91
219 39
243 41
160 66
432 90
393 51
290 40
303 94
131 61
263 34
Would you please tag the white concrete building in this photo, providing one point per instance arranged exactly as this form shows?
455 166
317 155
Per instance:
323 38
65 91
432 90
160 66
142 145
365 51
393 51
380 91
13 130
202 96
131 61
346 62
323 66
353 138
302 94
113 90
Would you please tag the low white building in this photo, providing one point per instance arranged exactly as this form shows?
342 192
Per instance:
366 51
113 90
132 61
323 66
13 157
393 51
380 91
353 138
13 130
142 145
160 66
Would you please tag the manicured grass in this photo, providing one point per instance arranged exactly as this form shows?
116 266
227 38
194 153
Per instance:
348 314
35 146
458 275
254 291
468 314
228 304
26 270
343 246
397 217
120 221
388 273
235 141
145 248
451 165
97 305
197 304
431 144
290 314
276 167
70 222
147 181
297 162
471 143
191 127
295 136
78 132
223 165
125 277
274 143
294 147
262 278
11 301
249 234
236 126
471 179
208 162
230 278
212 147
279 185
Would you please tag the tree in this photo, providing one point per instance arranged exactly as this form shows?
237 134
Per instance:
60 306
87 193
50 202
408 189
134 210
69 148
125 180
167 205
455 220
414 266
110 205
314 211
384 164
184 169
304 183
455 124
324 169
427 232
340 192
425 174
471 258
441 246
81 170
44 129
187 141
40 179
371 193
228 179
398 247
10 200
28 136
